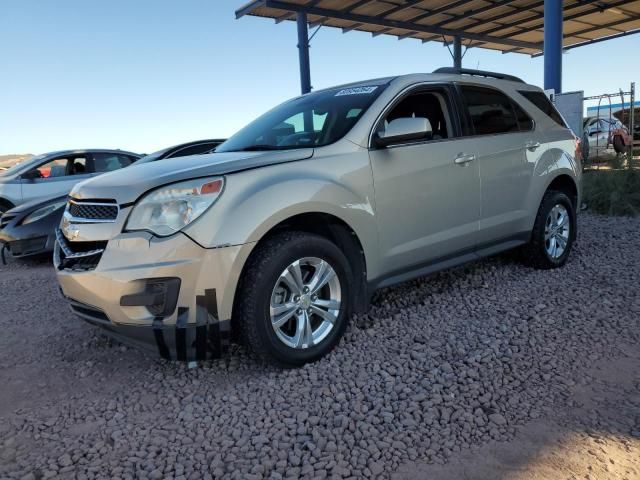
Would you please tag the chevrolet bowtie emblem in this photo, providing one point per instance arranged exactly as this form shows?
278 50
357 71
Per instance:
69 230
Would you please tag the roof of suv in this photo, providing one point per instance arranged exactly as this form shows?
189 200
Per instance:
444 75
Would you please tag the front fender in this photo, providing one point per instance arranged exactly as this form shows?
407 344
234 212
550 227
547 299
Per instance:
11 192
255 201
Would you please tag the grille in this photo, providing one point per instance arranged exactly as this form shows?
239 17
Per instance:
77 255
93 211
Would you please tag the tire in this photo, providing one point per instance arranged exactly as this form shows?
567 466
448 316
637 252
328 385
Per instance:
618 144
537 252
262 286
4 206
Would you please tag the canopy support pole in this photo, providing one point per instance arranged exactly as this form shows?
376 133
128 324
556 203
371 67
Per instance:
457 52
553 45
303 52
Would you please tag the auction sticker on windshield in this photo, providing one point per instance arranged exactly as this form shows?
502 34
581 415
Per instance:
356 91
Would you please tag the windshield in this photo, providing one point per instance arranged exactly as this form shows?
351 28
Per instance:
22 166
312 120
152 157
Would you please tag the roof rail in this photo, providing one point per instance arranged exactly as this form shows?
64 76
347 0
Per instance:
478 73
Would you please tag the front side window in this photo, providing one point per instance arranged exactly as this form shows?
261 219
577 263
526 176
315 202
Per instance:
432 105
55 168
491 111
313 120
62 167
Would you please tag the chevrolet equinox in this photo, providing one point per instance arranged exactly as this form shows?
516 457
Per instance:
292 223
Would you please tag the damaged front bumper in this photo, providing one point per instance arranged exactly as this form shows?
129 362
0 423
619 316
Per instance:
169 295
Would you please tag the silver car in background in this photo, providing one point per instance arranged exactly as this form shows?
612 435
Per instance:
293 222
55 173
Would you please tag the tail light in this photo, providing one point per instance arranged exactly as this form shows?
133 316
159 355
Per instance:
578 151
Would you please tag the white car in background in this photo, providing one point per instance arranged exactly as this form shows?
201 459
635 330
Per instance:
602 133
56 173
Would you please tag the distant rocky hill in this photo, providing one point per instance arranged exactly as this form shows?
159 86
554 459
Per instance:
7 161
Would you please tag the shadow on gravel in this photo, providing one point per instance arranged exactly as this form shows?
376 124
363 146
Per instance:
595 436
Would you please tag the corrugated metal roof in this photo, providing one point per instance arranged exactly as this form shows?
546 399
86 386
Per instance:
508 26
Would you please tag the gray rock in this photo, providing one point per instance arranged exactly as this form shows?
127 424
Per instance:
497 419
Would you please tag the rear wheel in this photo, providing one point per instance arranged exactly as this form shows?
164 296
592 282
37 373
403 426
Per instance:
294 299
554 232
618 144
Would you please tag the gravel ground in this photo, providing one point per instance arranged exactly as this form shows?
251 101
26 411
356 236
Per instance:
441 366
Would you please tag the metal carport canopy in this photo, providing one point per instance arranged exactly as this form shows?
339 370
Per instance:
507 26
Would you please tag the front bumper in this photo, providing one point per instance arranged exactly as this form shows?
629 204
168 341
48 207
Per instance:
26 240
29 247
198 328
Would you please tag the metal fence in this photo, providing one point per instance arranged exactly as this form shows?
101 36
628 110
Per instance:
610 139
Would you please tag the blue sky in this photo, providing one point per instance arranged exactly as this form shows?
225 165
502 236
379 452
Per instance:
145 74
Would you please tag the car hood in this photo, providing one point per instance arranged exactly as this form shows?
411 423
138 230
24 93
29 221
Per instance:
128 184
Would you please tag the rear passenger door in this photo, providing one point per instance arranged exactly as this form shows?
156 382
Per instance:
503 136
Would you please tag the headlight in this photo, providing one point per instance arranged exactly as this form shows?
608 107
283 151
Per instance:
169 209
43 212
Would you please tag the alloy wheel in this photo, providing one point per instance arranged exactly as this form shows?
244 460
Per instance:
556 231
305 303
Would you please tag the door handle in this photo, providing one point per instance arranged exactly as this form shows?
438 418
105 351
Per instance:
463 159
531 145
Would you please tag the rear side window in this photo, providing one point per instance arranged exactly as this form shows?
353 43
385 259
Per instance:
525 122
108 162
540 100
491 111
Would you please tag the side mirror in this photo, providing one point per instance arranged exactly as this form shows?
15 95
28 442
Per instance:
404 130
31 174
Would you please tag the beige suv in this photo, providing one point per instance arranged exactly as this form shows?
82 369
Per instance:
288 228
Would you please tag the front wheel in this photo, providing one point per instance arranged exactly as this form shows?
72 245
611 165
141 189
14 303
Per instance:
294 299
554 232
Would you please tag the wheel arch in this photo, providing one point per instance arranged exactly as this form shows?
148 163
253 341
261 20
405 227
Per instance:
565 183
334 229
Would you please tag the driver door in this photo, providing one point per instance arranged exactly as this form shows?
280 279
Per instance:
427 193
